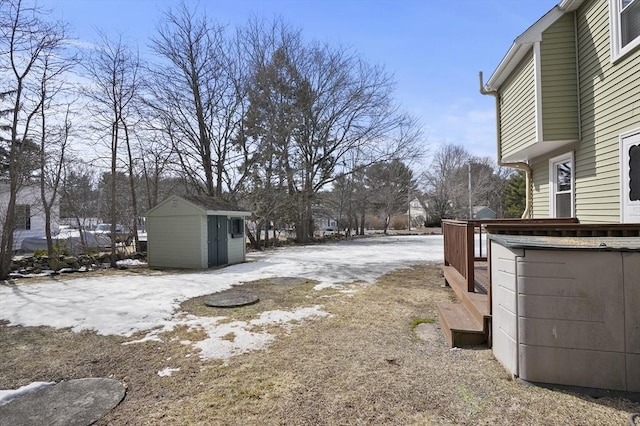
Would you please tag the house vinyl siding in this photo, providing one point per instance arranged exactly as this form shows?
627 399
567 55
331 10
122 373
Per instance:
540 178
559 81
517 106
575 57
30 196
610 106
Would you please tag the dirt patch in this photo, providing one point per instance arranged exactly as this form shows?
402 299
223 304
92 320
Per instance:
272 294
362 365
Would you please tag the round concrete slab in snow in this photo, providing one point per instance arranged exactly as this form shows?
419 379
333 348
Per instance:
230 299
288 280
78 402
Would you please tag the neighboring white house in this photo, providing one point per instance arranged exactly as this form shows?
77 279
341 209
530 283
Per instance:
29 216
195 232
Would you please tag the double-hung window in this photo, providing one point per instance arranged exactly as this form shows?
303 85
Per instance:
561 186
624 26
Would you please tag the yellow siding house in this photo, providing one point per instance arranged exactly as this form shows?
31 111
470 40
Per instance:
568 111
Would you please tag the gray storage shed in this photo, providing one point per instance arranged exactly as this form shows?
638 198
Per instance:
195 232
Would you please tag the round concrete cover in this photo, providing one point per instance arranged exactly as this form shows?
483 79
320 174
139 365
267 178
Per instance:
78 402
288 280
229 299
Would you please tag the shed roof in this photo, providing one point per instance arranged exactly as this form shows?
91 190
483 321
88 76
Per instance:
210 205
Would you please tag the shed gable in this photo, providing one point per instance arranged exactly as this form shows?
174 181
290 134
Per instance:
176 206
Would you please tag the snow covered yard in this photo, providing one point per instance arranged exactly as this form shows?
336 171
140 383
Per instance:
334 349
124 305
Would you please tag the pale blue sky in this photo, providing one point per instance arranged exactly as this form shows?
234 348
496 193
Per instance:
433 48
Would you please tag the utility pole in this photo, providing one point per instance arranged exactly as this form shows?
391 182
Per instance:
409 211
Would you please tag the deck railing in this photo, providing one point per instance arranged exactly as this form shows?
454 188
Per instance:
459 248
460 238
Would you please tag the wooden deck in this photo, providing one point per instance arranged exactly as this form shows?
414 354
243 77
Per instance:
466 271
481 275
469 322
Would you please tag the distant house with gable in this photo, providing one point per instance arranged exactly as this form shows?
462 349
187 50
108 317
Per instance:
29 214
483 212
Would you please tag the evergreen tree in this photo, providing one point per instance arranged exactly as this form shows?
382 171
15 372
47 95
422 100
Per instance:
514 196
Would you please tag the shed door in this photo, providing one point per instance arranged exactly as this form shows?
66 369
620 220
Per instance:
630 179
217 239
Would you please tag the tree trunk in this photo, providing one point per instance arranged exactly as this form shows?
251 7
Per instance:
112 210
132 187
252 238
6 249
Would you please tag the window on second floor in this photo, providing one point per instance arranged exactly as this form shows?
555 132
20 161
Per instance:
625 26
23 217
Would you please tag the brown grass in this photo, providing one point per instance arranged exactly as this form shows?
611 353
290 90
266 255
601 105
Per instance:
362 365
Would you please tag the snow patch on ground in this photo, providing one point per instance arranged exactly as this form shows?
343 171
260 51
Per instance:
225 340
125 305
230 339
285 317
167 372
131 262
9 395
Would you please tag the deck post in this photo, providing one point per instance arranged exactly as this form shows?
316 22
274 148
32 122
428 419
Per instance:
470 257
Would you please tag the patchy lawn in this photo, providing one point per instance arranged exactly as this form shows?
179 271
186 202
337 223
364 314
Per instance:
361 364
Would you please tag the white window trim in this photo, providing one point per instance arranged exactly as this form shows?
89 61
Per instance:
624 182
552 182
617 51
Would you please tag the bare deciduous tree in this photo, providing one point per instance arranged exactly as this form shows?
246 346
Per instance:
314 105
79 198
389 186
26 38
115 83
197 93
444 184
456 181
55 130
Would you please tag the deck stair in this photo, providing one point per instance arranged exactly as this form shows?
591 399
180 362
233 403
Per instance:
466 323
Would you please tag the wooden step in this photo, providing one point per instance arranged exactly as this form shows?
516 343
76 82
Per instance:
477 304
460 328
